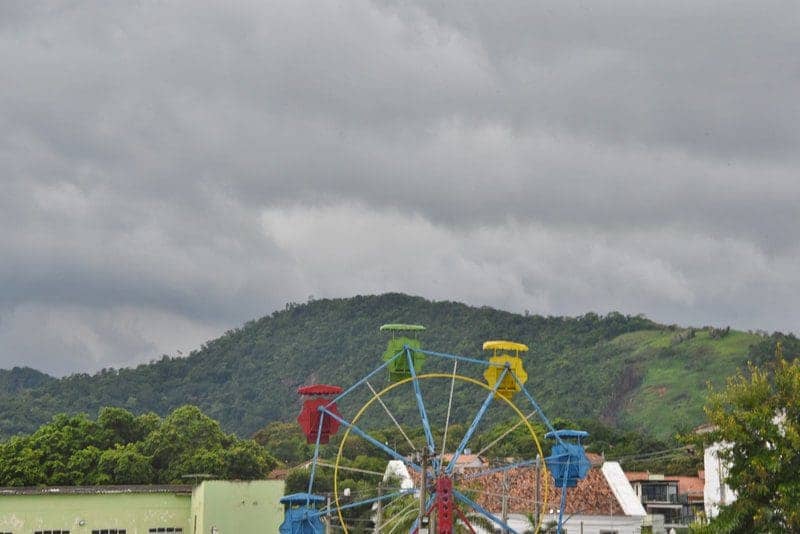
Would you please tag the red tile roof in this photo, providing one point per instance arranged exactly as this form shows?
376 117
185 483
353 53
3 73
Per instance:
592 496
465 459
595 459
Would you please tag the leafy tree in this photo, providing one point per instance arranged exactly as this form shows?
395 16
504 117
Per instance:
20 464
763 352
82 467
207 461
123 427
183 444
297 481
189 441
758 414
285 441
124 464
120 448
400 514
246 460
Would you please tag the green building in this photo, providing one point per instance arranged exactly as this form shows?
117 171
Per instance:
212 507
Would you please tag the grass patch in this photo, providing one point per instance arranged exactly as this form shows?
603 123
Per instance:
643 340
674 388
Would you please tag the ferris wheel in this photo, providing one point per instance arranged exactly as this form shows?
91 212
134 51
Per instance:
446 403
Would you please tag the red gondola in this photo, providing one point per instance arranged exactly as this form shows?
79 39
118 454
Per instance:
310 414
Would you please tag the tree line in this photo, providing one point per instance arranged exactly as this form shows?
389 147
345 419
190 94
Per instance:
119 447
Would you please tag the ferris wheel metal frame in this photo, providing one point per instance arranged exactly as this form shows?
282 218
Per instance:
567 465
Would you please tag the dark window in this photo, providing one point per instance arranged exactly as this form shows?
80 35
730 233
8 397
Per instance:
166 529
52 532
659 493
109 531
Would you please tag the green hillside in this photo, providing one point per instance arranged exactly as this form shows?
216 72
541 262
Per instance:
672 383
627 371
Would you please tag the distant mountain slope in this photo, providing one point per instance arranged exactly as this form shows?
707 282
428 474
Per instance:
626 370
21 378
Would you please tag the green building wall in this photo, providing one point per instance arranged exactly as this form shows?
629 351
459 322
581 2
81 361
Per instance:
237 507
228 507
81 514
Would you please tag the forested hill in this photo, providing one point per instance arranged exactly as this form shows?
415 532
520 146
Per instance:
628 371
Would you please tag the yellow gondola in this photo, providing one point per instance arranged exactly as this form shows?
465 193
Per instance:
506 353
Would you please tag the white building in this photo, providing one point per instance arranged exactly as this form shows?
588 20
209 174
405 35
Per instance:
715 492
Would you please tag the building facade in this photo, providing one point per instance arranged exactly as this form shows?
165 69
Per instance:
678 499
716 492
212 507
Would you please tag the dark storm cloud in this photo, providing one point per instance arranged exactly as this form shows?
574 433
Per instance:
170 170
705 76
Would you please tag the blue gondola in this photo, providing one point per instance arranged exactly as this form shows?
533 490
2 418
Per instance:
567 461
301 514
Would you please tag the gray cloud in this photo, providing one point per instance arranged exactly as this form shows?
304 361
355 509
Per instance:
170 170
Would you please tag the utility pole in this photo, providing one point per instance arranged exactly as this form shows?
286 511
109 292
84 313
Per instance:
379 514
328 528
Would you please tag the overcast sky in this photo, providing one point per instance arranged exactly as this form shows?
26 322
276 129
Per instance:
170 170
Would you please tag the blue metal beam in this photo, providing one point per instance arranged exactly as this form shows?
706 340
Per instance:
384 365
423 414
484 363
391 452
538 409
481 510
474 426
365 501
500 469
316 456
